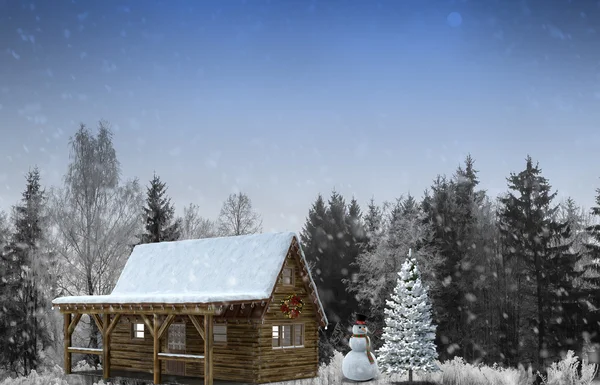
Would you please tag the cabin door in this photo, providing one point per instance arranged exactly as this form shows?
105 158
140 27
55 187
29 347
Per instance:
176 344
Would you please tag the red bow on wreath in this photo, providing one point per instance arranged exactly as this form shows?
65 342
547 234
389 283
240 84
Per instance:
291 306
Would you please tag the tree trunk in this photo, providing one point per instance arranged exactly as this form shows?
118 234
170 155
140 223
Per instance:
35 331
93 359
410 377
541 323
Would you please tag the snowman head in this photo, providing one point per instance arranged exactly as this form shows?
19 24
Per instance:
361 325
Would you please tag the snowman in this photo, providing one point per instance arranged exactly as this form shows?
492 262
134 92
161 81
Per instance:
360 363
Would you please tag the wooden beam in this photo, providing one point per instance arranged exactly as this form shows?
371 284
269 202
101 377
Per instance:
156 337
106 347
264 310
85 351
238 320
165 325
98 321
134 311
197 324
236 311
74 323
113 324
148 324
146 308
67 342
180 357
208 350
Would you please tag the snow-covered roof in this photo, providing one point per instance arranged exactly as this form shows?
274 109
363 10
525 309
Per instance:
201 271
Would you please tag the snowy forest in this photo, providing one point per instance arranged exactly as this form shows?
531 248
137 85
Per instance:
512 279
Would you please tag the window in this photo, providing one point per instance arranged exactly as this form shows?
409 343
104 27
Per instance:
220 333
176 338
298 335
137 331
275 336
288 336
288 276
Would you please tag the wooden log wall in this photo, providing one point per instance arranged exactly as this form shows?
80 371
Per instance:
132 354
289 363
235 360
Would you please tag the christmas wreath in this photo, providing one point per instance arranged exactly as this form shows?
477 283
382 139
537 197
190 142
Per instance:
291 306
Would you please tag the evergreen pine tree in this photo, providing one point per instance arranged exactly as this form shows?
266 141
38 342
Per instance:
335 259
410 206
315 244
592 268
537 252
373 224
442 214
161 224
577 220
451 210
355 237
314 238
593 244
409 334
396 225
336 228
356 230
28 281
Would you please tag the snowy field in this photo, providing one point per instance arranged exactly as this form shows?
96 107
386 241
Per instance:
455 372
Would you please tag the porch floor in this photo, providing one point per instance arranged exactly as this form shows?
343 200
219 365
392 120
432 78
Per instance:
148 378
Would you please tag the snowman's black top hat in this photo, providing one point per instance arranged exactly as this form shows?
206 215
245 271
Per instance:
361 319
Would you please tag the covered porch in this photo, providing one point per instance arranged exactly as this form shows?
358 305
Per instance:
157 318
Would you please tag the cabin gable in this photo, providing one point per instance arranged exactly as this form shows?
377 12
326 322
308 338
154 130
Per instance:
282 354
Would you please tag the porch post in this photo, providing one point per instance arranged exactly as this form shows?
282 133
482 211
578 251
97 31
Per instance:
208 349
105 347
67 342
156 336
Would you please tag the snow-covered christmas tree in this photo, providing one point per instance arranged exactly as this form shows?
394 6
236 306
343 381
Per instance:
409 333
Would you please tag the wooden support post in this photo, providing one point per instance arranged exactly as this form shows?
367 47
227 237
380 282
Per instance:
156 336
148 324
98 321
67 342
197 325
113 323
167 322
105 346
208 349
74 323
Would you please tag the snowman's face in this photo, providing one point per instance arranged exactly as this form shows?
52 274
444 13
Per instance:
359 329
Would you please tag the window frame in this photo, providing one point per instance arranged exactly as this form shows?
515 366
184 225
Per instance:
220 334
134 331
291 276
294 329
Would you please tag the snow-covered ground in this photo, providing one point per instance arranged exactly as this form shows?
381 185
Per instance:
455 372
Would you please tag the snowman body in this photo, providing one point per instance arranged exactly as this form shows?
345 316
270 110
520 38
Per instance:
356 365
359 344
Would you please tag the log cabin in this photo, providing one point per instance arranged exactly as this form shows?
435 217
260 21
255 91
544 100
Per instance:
240 309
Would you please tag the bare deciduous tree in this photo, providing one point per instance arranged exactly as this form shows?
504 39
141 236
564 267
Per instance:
237 217
194 226
95 219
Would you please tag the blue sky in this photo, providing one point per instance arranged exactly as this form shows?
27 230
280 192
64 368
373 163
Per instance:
285 99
